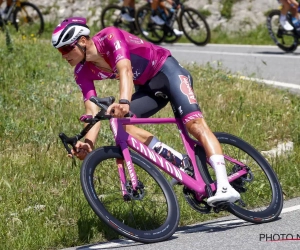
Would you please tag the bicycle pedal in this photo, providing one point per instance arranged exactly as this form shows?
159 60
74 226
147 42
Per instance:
219 206
241 203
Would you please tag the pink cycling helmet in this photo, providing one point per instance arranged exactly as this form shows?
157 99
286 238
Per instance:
69 30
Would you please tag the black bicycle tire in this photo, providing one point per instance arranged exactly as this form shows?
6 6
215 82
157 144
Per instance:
110 6
42 23
128 27
207 39
139 28
162 233
288 49
274 209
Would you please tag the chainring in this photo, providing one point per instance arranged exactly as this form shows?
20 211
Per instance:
198 206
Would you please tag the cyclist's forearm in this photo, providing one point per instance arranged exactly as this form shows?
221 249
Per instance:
91 136
126 79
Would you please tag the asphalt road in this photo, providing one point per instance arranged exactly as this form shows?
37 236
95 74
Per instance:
261 62
225 233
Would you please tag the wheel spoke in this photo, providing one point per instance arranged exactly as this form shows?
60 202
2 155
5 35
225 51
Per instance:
261 194
195 26
148 214
28 20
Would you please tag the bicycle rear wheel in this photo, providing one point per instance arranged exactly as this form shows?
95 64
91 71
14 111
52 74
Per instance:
28 19
285 40
111 16
150 216
147 28
260 190
194 26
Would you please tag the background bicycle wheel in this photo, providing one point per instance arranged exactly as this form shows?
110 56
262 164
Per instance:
111 16
28 19
194 26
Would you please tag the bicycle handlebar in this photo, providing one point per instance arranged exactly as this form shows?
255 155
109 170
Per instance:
103 103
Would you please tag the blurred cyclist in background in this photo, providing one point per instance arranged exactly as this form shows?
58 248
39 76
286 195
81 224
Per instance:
128 12
8 4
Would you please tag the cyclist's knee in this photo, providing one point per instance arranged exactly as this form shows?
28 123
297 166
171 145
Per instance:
197 127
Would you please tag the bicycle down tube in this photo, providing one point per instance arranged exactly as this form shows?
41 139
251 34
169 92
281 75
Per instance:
123 139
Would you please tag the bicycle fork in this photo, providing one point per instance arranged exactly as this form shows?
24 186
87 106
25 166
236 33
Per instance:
132 189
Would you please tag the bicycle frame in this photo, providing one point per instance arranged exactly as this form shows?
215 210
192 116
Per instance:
124 140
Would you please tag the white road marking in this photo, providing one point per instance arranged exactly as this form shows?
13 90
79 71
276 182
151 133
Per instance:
269 82
112 244
224 45
233 53
234 221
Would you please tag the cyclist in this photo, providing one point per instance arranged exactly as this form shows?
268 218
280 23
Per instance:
8 4
128 12
129 7
116 54
292 6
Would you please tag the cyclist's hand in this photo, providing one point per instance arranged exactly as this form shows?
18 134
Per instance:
118 110
293 3
82 150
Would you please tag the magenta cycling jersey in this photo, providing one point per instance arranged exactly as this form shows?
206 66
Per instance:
114 45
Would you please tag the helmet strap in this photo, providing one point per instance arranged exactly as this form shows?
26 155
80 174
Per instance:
83 49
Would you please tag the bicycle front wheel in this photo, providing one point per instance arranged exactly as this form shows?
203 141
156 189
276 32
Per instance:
151 215
260 190
194 26
28 19
285 40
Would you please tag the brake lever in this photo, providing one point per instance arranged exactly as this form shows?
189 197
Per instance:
66 140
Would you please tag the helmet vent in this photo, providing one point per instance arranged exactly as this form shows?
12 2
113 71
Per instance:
69 35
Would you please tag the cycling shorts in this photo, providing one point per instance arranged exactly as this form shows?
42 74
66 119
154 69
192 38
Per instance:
172 83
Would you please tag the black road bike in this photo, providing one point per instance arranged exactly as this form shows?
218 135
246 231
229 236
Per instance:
24 16
187 19
111 16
